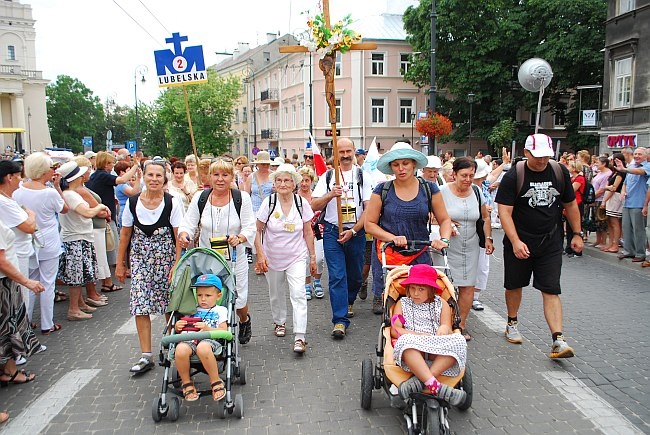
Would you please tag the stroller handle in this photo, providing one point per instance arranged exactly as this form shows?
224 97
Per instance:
414 244
187 336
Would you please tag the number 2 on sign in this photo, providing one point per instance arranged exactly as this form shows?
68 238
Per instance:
180 63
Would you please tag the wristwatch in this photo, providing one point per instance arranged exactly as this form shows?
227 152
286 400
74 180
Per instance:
354 233
579 233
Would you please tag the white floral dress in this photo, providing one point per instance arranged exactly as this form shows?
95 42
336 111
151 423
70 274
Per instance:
426 318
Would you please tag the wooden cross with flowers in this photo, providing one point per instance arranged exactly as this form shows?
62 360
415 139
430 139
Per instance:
327 40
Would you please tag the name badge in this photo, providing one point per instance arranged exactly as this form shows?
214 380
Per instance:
349 214
289 227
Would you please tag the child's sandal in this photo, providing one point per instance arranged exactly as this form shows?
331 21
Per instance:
218 390
189 392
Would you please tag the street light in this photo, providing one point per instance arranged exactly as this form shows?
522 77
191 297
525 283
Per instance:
140 70
29 128
412 137
470 98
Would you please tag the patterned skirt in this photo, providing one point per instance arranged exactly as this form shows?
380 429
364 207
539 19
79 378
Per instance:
78 263
16 336
152 258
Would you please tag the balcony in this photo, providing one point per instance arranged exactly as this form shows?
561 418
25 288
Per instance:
16 70
270 134
270 96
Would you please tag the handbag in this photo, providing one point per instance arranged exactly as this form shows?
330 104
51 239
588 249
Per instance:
479 223
110 239
601 214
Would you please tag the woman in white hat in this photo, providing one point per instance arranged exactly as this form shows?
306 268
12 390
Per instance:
283 240
404 214
78 263
261 186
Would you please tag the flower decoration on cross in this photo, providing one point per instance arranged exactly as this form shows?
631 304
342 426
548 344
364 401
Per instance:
434 125
326 40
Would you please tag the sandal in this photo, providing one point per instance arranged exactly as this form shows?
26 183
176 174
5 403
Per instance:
411 385
60 297
143 365
54 328
218 390
12 378
466 335
280 330
112 288
189 392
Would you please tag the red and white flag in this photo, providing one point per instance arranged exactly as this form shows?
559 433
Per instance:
319 162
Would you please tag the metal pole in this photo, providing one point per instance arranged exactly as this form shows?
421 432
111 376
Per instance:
29 128
140 70
412 136
470 97
432 86
311 100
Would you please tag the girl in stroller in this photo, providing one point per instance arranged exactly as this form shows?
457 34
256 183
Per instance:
425 343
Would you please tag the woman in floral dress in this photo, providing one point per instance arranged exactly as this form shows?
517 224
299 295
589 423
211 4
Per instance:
150 222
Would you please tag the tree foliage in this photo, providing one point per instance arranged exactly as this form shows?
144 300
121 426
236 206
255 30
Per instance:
482 43
74 112
211 109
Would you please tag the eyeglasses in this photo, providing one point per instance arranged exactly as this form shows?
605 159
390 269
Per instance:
281 181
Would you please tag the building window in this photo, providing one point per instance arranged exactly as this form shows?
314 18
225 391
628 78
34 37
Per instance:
338 112
377 105
285 118
301 115
236 116
559 118
377 64
405 110
625 6
244 115
338 64
293 116
623 82
404 63
533 118
11 52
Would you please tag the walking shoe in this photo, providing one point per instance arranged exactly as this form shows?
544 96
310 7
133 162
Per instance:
245 331
477 305
338 331
350 311
143 365
560 349
21 360
280 330
453 396
363 293
411 385
308 291
512 333
318 289
377 305
299 346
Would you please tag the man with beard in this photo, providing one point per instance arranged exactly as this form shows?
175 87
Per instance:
344 250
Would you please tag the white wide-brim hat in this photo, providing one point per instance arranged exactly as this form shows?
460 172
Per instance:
287 168
401 150
482 169
70 171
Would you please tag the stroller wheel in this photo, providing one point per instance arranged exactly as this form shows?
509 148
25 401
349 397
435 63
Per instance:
465 384
157 412
367 383
239 406
174 408
242 374
434 420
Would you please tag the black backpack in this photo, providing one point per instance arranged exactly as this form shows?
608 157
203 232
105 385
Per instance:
236 198
589 195
273 201
423 184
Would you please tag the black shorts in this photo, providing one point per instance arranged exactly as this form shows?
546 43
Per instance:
367 254
544 263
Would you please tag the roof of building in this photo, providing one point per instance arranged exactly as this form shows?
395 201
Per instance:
381 27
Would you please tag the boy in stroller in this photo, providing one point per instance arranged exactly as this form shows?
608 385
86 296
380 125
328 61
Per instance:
209 316
425 345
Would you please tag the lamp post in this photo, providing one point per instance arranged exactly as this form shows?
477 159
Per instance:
432 85
29 128
412 137
470 98
140 70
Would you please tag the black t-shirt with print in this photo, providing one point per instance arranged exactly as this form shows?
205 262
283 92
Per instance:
538 208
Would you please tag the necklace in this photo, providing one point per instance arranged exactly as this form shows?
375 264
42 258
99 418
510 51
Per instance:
5 195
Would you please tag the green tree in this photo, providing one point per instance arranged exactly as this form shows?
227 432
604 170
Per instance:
502 134
481 43
152 131
211 109
74 112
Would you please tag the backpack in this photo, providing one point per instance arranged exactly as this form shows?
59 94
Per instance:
236 198
328 179
273 201
557 171
589 195
423 184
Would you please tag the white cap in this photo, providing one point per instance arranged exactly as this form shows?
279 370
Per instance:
482 169
433 162
540 145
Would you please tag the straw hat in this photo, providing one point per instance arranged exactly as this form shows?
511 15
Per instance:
70 171
263 157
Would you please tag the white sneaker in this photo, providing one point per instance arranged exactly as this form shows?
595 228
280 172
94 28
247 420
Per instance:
512 333
561 349
21 360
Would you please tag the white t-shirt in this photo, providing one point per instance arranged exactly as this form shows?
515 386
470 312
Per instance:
350 193
46 204
13 215
150 217
284 241
7 244
73 225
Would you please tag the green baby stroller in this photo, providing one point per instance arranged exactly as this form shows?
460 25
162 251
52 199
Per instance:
193 264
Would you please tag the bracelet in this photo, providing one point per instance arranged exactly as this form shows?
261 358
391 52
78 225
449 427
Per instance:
445 241
312 255
489 238
354 233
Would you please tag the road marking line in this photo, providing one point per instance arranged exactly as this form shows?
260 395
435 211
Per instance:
38 415
603 415
129 326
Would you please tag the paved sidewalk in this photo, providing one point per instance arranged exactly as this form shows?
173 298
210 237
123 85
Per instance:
517 389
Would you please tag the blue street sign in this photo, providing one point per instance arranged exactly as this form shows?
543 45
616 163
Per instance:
131 146
273 154
180 66
87 141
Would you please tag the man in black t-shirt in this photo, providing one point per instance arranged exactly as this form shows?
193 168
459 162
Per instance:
531 198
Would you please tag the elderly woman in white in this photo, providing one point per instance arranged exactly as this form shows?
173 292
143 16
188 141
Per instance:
284 238
221 221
